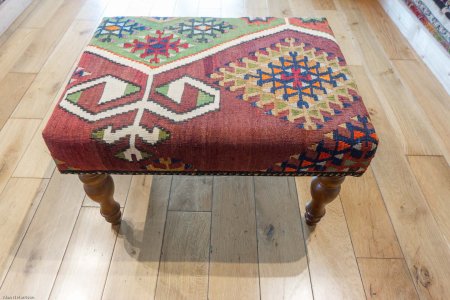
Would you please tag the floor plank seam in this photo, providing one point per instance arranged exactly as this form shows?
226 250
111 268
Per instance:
111 258
163 235
24 235
65 250
303 231
210 237
353 247
256 234
411 275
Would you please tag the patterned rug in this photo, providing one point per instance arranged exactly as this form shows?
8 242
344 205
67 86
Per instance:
263 96
435 15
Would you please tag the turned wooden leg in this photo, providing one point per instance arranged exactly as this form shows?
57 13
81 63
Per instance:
100 188
323 191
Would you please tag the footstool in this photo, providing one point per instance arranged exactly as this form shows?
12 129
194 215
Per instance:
211 96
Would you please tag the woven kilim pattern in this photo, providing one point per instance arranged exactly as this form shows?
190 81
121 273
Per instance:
212 96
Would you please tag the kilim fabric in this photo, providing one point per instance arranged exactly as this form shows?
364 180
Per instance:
262 96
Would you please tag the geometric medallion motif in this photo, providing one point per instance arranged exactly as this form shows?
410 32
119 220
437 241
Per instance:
291 80
156 45
202 30
349 148
117 27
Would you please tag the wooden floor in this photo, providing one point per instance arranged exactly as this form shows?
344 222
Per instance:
386 237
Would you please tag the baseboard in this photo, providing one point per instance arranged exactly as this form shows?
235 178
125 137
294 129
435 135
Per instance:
422 41
10 10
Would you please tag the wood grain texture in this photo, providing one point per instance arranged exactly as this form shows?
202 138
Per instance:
283 263
183 271
424 247
233 267
83 271
426 46
45 41
55 71
12 88
18 203
37 262
41 14
367 219
394 97
386 279
324 4
12 49
389 37
135 262
190 193
347 42
279 8
432 97
332 262
433 176
14 137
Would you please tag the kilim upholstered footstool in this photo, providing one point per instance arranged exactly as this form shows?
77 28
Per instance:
244 96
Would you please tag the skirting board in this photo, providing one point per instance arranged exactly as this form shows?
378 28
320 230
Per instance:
426 46
10 10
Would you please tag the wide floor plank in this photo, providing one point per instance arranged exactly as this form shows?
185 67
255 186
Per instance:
234 255
55 71
84 267
47 38
332 261
13 48
432 97
433 176
37 262
183 271
12 88
401 104
386 279
367 219
135 262
424 247
283 263
191 193
18 203
15 137
387 34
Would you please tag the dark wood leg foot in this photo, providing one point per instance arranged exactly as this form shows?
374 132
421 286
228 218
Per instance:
323 191
100 188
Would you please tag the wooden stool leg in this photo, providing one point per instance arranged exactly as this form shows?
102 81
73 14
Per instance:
100 188
323 191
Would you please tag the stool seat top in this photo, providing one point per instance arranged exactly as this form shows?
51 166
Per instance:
251 96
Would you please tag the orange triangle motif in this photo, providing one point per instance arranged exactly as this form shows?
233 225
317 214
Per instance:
357 134
306 163
326 77
324 155
265 77
342 145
